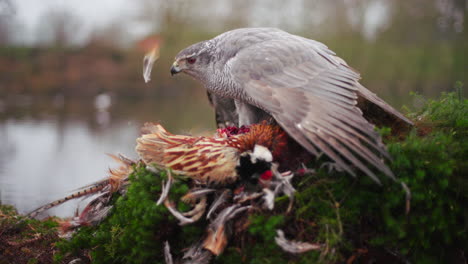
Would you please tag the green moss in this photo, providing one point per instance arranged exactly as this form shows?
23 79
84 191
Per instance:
449 111
434 167
340 212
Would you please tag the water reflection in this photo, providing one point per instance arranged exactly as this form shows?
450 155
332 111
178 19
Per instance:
102 103
48 150
47 160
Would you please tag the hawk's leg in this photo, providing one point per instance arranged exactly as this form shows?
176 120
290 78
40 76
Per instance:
249 114
225 110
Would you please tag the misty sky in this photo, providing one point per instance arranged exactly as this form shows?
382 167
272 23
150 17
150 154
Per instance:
97 14
93 14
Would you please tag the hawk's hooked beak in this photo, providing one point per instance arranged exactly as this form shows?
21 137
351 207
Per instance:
175 68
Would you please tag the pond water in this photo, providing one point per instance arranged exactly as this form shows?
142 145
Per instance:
49 149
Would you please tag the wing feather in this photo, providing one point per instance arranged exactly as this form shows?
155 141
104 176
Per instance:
312 94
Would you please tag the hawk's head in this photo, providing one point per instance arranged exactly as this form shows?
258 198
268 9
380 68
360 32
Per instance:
194 60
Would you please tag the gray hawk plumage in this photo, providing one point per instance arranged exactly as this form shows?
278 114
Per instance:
253 74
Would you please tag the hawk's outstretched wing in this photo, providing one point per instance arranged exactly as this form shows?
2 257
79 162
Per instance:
312 94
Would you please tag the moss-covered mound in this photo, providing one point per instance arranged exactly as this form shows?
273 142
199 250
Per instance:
354 219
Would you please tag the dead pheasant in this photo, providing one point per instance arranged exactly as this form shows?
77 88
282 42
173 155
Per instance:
251 154
215 159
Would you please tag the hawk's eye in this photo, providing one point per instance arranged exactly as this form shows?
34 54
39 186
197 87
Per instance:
191 60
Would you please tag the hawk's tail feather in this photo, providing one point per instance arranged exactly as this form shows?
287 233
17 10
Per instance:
372 97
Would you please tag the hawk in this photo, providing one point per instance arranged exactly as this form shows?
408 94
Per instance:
256 74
